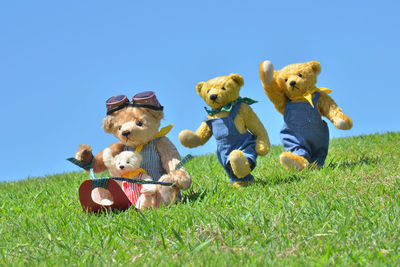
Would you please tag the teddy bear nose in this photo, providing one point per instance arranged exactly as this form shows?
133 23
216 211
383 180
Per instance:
126 133
213 97
122 167
292 83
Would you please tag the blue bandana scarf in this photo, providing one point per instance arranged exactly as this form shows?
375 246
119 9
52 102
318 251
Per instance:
229 106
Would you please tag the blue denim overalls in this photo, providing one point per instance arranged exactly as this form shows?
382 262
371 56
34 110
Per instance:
304 132
151 159
228 139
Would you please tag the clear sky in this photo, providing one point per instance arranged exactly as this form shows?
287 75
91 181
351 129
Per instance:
60 60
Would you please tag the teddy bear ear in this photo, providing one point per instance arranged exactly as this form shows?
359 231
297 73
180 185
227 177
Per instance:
237 78
108 124
199 86
316 66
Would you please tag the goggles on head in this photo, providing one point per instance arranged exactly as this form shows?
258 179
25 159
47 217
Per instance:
146 99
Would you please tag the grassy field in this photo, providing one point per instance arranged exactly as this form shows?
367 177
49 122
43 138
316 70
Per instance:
347 213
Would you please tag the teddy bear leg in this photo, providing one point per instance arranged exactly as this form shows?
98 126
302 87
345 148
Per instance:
165 195
293 161
239 163
144 201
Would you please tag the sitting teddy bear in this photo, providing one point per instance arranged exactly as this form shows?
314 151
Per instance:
292 90
127 165
239 133
136 125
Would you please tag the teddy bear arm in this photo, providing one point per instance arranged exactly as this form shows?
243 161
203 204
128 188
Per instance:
255 126
271 88
276 96
148 188
204 132
98 163
168 153
170 158
194 139
328 108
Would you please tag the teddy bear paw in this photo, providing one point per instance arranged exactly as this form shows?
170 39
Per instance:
262 147
84 153
343 124
189 139
148 189
266 71
180 178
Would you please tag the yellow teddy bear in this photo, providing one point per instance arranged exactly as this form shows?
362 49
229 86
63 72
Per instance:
239 133
305 135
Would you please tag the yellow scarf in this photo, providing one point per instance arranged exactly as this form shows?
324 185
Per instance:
163 132
133 174
309 95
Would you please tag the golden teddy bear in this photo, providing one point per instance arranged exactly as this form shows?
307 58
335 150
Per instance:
292 90
239 133
136 125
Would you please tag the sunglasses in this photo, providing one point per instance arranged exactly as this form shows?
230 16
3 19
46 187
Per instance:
146 99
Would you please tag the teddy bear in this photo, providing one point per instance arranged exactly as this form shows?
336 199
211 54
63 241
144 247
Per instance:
239 133
127 165
136 125
305 136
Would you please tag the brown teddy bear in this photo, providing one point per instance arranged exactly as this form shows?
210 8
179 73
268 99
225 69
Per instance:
239 133
305 135
136 124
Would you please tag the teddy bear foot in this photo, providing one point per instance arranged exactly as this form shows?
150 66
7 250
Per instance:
242 184
240 165
292 161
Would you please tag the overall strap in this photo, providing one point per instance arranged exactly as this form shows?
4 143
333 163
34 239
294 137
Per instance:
316 97
235 110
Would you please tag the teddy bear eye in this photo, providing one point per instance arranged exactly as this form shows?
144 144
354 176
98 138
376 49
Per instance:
208 91
139 123
286 80
119 128
299 75
223 88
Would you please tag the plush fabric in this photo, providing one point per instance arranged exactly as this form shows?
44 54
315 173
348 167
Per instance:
217 93
303 141
135 127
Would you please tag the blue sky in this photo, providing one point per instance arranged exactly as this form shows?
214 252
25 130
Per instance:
60 60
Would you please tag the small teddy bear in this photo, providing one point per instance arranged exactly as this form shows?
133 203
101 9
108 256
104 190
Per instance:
292 90
239 133
127 165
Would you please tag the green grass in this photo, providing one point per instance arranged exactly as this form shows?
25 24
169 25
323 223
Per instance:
347 213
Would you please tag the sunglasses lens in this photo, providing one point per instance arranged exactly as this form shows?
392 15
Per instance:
116 101
147 98
143 95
